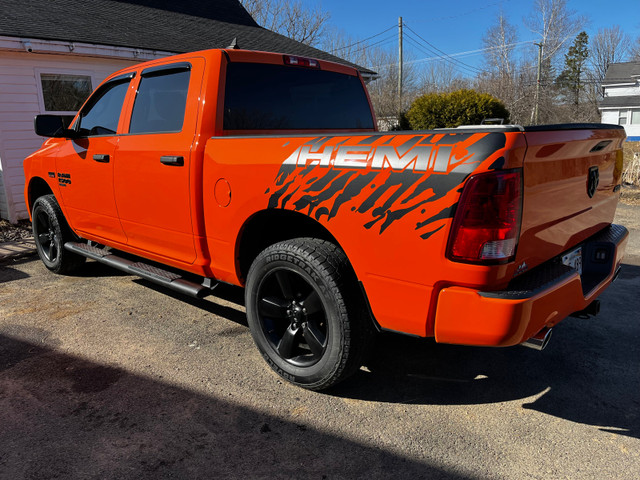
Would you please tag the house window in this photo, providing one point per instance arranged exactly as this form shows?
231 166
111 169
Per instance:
635 116
622 118
64 93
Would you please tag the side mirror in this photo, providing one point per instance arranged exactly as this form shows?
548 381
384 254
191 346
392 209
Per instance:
56 126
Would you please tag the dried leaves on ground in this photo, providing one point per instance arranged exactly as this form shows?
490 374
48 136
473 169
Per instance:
11 233
630 195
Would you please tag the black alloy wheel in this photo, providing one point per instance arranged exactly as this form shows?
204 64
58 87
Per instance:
292 317
305 312
46 237
51 232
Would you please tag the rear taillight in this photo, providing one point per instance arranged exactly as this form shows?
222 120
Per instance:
486 226
301 62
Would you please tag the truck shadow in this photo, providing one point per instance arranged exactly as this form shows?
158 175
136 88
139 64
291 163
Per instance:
88 420
227 301
589 373
9 274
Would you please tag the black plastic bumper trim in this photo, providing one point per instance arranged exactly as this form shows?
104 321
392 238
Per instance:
552 272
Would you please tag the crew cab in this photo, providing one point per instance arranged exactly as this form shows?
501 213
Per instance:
266 171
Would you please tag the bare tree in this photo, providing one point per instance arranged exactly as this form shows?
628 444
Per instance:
339 43
609 45
505 77
440 76
517 92
292 18
555 26
635 51
499 42
384 89
499 79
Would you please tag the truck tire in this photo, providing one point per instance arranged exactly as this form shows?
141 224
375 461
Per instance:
305 312
51 232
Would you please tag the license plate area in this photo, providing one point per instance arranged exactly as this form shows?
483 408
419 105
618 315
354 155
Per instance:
573 259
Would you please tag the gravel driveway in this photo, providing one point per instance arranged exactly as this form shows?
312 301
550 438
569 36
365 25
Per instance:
103 375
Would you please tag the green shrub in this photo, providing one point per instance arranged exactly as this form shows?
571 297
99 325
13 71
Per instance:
450 110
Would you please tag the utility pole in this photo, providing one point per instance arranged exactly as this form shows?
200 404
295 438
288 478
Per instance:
399 67
534 117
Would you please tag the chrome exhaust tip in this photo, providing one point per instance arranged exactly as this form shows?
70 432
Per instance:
539 341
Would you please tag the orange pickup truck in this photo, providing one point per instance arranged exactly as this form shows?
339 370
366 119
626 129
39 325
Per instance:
266 171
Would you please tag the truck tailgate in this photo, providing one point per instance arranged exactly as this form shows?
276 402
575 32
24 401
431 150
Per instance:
571 187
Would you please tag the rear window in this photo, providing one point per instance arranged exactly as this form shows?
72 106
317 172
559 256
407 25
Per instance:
280 97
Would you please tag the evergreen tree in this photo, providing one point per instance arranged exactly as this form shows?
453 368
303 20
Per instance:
570 80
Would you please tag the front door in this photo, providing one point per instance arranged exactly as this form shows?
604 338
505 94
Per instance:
85 164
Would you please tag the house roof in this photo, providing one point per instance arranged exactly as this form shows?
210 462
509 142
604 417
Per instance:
621 73
623 101
169 25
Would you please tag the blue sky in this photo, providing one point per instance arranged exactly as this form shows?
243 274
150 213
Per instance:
458 26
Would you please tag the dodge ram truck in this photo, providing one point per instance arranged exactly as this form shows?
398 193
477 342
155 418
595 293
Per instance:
267 171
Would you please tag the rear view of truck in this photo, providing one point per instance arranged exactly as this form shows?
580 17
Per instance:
551 222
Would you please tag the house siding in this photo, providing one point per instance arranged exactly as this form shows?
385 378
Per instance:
20 102
622 91
610 116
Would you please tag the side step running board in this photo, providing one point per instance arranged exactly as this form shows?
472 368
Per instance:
144 270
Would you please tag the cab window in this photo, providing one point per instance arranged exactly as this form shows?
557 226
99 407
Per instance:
101 113
161 100
278 97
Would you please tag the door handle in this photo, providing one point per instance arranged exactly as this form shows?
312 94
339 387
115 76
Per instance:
101 158
176 161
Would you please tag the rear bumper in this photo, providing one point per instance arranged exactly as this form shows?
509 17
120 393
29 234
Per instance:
538 299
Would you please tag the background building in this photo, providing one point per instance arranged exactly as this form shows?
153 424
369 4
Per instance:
53 53
621 103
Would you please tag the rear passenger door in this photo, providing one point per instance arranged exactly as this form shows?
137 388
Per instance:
153 168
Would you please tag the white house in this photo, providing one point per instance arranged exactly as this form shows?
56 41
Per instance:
53 53
32 83
621 103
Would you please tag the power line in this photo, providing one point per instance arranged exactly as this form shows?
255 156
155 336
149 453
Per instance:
481 50
460 66
364 40
423 49
457 66
444 54
438 57
470 52
457 54
384 41
428 48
